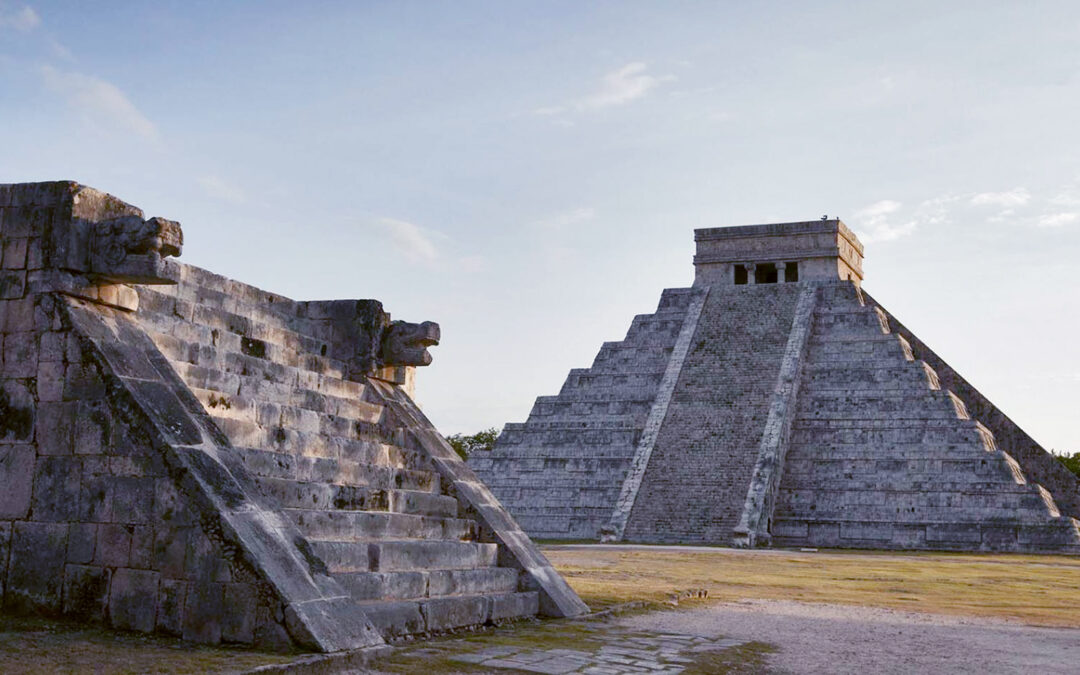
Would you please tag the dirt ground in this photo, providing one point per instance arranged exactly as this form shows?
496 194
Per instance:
838 639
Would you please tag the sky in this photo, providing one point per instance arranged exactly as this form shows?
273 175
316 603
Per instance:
529 174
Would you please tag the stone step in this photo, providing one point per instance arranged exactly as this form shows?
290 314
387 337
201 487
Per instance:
906 376
876 405
203 324
1056 535
1003 502
853 320
402 555
812 433
259 388
397 619
429 583
203 345
971 467
296 494
883 349
298 441
270 464
593 437
268 414
343 525
890 452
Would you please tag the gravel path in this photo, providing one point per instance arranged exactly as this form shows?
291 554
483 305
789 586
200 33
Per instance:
817 638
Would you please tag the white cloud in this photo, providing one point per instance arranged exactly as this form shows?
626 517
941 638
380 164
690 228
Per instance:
561 220
411 240
23 20
618 87
1057 219
876 222
100 101
219 188
1015 197
622 86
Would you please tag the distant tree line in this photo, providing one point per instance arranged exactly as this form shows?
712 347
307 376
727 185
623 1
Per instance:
466 444
1071 462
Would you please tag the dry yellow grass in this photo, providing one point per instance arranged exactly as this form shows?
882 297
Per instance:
1038 590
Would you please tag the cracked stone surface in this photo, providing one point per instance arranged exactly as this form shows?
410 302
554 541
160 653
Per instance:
617 651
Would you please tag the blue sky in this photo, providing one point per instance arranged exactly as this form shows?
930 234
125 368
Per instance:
530 174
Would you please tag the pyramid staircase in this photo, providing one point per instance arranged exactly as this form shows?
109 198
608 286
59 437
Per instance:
344 468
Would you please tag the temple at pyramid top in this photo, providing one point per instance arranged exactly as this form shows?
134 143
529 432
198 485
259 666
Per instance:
812 250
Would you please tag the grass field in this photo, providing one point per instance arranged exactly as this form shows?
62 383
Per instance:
1039 590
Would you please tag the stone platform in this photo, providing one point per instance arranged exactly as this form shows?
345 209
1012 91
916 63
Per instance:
184 453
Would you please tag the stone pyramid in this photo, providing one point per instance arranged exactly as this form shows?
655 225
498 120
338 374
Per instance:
775 401
184 453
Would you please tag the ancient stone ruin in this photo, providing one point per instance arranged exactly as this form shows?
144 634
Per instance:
776 402
184 453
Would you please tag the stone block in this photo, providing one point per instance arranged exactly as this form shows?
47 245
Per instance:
56 489
170 550
20 355
172 595
133 600
83 383
203 610
86 592
132 499
441 614
16 316
238 623
36 571
50 381
56 428
93 429
12 284
17 410
17 479
82 542
113 545
142 547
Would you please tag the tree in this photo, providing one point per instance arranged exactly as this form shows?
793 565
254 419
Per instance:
466 445
1071 462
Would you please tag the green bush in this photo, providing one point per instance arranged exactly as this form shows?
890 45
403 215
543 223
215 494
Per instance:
1071 462
465 445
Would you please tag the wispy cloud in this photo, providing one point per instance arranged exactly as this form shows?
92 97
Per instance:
877 222
221 189
23 20
1010 198
618 87
411 240
621 86
100 101
1057 219
561 220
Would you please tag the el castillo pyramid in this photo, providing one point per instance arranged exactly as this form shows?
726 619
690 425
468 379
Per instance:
775 402
187 454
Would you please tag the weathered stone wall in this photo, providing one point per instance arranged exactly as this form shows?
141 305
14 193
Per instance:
560 473
92 524
697 480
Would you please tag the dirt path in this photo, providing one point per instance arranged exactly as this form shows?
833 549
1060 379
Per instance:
821 638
